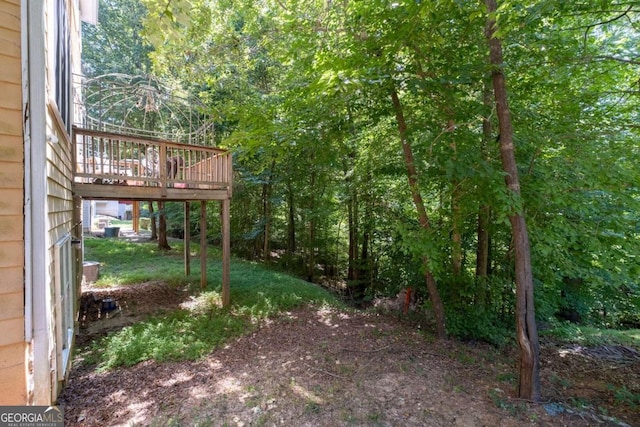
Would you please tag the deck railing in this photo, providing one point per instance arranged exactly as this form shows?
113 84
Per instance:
111 158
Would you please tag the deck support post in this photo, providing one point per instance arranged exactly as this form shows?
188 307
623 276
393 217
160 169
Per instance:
203 245
135 216
187 239
226 252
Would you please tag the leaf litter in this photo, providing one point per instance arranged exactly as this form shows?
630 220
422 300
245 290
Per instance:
319 366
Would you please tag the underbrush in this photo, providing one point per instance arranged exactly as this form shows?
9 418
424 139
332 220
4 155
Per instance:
591 336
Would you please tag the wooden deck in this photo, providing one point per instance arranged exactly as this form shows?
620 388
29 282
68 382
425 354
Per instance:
123 167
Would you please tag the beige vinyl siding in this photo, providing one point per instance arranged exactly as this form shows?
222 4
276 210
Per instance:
59 207
12 345
12 374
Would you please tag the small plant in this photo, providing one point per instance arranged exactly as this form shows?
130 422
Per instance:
312 408
375 417
507 377
499 399
560 381
624 396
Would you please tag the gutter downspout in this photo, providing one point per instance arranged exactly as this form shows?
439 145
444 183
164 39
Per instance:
37 300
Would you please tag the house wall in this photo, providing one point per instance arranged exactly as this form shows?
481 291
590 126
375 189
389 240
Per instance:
59 203
12 320
107 208
37 207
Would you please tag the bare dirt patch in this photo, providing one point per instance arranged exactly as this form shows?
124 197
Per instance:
322 367
130 304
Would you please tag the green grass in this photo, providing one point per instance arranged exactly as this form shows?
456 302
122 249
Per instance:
124 263
256 294
591 336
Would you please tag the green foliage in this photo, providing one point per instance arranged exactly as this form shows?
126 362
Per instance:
115 44
301 94
479 325
177 336
590 336
145 223
624 396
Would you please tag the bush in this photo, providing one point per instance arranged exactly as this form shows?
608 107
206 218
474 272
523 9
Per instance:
479 325
145 223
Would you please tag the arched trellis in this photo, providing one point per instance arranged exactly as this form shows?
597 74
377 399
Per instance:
142 106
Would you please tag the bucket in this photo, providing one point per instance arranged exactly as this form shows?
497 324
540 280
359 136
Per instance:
111 231
109 304
90 271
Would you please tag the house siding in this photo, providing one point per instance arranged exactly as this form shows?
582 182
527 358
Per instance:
60 203
60 215
12 344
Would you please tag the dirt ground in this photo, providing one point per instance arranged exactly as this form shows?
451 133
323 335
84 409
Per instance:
320 367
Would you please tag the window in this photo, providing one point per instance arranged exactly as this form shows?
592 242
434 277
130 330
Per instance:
65 298
63 63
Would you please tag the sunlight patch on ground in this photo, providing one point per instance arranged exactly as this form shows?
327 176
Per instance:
228 385
214 364
326 316
306 394
139 413
564 352
117 396
177 378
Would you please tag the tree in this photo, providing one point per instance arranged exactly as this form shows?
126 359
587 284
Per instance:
412 173
526 329
303 95
115 44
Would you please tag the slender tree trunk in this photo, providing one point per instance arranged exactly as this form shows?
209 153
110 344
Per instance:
163 243
152 217
456 234
365 266
352 211
266 218
484 212
311 251
291 223
456 221
432 288
526 330
266 212
483 250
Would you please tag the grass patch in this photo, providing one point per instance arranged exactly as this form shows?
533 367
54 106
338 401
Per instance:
591 336
177 336
257 293
124 262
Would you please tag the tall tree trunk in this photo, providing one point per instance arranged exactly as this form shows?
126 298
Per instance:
154 227
365 266
311 247
456 221
163 243
266 250
484 212
482 251
432 288
291 223
526 330
352 211
266 213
